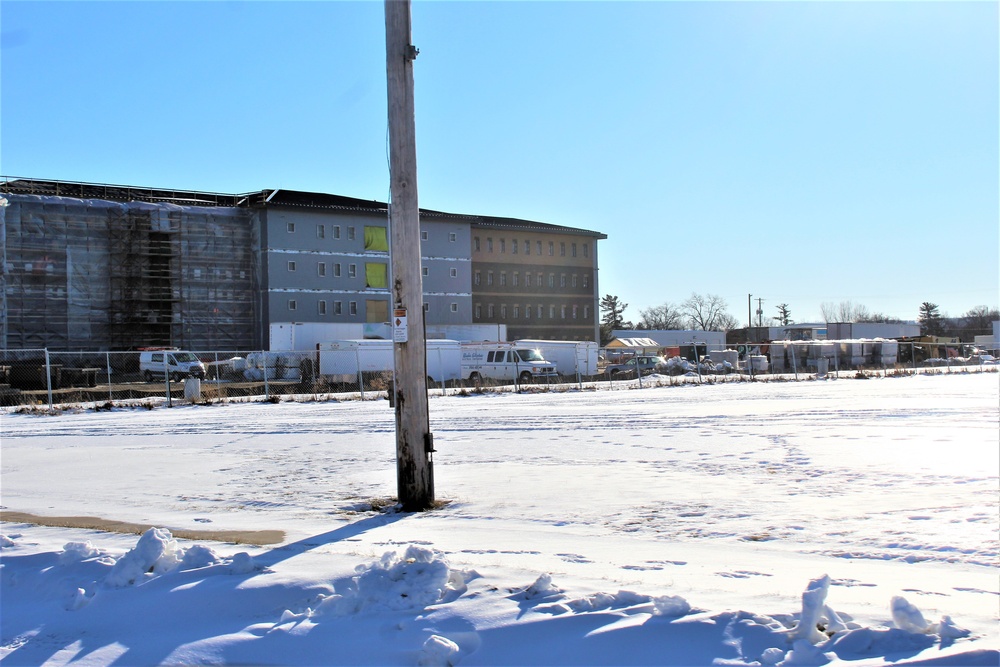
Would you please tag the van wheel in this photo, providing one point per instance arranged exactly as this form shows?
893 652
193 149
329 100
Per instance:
176 377
476 379
525 378
147 376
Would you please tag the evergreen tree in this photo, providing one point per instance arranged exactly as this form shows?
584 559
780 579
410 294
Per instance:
784 315
930 320
613 318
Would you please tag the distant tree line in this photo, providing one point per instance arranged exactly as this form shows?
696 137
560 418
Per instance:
709 312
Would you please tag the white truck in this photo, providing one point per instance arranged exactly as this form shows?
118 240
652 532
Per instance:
154 363
570 357
351 361
504 362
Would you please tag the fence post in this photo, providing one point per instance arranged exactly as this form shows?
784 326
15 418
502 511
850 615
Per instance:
836 359
267 392
111 395
218 386
795 367
48 376
697 359
361 377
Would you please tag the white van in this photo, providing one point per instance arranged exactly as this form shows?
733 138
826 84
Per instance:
504 362
154 363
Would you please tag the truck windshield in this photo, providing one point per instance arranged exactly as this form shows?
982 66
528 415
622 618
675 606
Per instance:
184 357
530 355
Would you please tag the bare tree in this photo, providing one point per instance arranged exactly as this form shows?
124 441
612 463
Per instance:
667 316
978 321
881 318
707 313
845 311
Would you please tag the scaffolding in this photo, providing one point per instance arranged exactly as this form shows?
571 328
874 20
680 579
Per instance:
92 273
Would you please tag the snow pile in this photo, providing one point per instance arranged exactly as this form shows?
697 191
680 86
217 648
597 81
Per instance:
413 581
156 553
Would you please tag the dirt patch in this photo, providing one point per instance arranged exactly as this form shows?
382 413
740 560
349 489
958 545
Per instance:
255 537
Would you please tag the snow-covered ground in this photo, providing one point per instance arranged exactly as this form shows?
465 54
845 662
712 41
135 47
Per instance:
848 520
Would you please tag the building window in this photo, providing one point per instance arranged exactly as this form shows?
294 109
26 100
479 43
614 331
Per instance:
427 307
321 231
489 311
586 312
552 280
423 236
479 311
477 278
562 312
350 235
539 311
586 279
552 312
376 275
452 237
424 270
527 247
503 279
562 280
290 226
292 305
527 279
489 277
376 239
503 246
352 308
573 250
574 280
575 308
503 311
513 246
337 308
475 244
321 269
517 312
586 250
527 312
336 231
538 247
322 307
562 249
454 272
352 270
540 280
291 265
454 307
336 270
489 244
552 248
514 279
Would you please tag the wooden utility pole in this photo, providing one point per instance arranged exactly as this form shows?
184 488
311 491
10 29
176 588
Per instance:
414 443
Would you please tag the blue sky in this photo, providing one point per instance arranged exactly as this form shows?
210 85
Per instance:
806 153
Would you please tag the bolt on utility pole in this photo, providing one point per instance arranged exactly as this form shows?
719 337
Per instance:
414 442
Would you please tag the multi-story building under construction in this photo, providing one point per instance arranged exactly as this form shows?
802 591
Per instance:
102 267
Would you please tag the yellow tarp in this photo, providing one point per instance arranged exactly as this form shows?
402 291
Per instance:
376 275
375 239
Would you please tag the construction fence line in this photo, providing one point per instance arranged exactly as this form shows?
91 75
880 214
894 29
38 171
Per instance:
155 376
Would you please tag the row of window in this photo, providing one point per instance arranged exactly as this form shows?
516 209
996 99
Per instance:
376 273
565 312
352 269
337 307
514 245
515 279
352 232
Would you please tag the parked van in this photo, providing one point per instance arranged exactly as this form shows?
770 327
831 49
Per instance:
177 363
349 361
504 362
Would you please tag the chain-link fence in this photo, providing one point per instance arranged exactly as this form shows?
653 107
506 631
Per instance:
362 371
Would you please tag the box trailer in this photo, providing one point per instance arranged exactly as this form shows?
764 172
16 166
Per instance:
569 356
350 361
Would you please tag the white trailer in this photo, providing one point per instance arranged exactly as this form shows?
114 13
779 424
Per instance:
350 361
569 356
